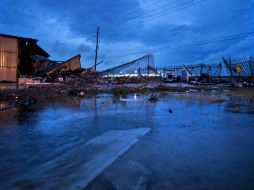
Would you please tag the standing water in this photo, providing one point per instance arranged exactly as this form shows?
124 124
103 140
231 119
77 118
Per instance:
193 143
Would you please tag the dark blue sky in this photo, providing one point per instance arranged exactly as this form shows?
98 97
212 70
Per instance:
67 27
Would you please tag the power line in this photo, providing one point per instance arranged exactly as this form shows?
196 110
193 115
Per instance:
228 38
136 19
89 38
133 13
157 15
97 47
154 13
110 12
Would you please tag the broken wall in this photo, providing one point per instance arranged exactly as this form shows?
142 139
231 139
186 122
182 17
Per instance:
69 65
73 63
27 50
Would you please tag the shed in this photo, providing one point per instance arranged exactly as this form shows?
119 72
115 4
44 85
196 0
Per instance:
16 56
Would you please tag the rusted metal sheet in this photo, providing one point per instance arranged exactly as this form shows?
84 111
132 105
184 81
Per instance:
69 65
41 66
8 44
73 63
8 74
8 59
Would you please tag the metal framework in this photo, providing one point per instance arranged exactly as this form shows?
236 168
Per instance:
142 65
213 70
241 69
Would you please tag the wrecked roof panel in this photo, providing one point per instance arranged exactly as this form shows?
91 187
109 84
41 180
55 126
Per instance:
70 65
35 49
43 66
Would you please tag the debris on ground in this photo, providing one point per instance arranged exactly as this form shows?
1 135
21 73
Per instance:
59 80
154 97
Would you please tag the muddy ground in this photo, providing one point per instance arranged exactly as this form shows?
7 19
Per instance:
39 95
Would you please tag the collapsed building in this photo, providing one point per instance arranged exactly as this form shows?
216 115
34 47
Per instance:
143 66
22 57
229 70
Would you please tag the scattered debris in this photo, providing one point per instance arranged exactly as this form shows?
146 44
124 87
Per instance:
154 97
44 79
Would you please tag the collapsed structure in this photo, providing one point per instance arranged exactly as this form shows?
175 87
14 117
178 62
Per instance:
236 70
23 57
142 66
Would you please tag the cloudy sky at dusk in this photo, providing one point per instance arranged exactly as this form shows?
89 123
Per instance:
130 28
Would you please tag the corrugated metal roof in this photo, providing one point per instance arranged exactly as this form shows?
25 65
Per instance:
34 47
18 37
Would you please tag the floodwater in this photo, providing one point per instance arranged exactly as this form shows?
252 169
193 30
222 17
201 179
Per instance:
192 144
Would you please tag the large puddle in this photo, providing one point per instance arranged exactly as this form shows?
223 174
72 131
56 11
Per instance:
193 144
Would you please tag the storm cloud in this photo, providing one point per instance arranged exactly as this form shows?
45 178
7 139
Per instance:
65 28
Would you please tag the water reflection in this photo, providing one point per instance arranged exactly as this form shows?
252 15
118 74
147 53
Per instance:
240 105
3 105
189 145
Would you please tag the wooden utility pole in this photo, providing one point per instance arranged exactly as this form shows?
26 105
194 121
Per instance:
148 67
97 47
220 71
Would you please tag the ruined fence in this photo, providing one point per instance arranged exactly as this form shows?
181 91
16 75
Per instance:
213 70
228 70
241 69
235 68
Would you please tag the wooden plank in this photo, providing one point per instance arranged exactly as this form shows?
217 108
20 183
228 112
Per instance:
80 166
134 176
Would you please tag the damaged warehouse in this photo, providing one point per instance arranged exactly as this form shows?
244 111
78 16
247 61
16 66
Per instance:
22 57
143 66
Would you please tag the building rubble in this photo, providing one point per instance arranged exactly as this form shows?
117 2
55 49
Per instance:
37 77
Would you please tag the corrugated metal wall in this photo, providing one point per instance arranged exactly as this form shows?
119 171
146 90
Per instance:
73 63
69 65
8 59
